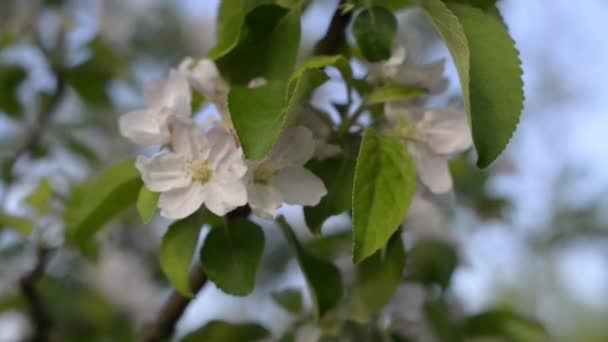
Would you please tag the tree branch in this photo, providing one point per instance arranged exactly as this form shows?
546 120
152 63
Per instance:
39 314
336 33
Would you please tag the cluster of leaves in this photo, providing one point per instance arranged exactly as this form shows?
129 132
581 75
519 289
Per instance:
373 179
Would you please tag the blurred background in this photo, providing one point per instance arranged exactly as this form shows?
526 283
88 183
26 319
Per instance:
532 230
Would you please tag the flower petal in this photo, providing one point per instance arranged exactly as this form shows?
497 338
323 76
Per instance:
295 147
225 156
225 196
143 127
176 91
446 130
264 199
432 169
163 171
180 203
299 186
188 139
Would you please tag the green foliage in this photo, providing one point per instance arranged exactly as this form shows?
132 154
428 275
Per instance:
94 204
496 86
219 331
385 181
505 324
433 262
378 277
290 300
322 277
489 70
338 175
19 224
437 315
230 17
177 250
269 43
393 5
231 256
147 202
260 114
11 77
393 93
375 29
40 199
483 4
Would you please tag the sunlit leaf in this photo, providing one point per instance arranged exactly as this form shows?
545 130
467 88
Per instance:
147 202
289 299
19 224
393 93
40 199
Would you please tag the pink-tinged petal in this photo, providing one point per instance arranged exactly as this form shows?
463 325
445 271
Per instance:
180 203
446 130
432 169
299 186
188 139
264 199
143 127
295 147
176 91
225 196
163 171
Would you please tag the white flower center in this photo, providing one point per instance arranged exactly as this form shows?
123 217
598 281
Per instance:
199 171
263 174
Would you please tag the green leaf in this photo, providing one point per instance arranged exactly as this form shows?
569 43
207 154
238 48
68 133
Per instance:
375 29
218 331
393 93
269 42
496 86
230 17
378 277
10 79
40 199
338 175
506 324
147 202
231 256
433 262
96 203
289 299
19 224
392 5
385 181
489 70
322 277
177 251
259 115
437 315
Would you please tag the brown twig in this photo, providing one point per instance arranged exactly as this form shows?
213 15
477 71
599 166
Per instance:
39 314
335 36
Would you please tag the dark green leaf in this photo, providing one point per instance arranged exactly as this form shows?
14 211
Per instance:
393 93
337 175
177 251
322 277
289 299
378 277
393 5
40 199
385 181
218 331
231 256
19 224
433 262
95 204
269 44
483 4
147 202
10 78
506 324
375 29
437 315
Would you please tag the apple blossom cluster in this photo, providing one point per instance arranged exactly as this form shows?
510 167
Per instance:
205 165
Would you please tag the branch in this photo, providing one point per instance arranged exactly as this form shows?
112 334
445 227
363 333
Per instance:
335 36
39 313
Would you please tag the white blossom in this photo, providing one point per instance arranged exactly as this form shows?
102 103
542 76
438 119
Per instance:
148 127
282 178
432 136
202 168
308 117
206 78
